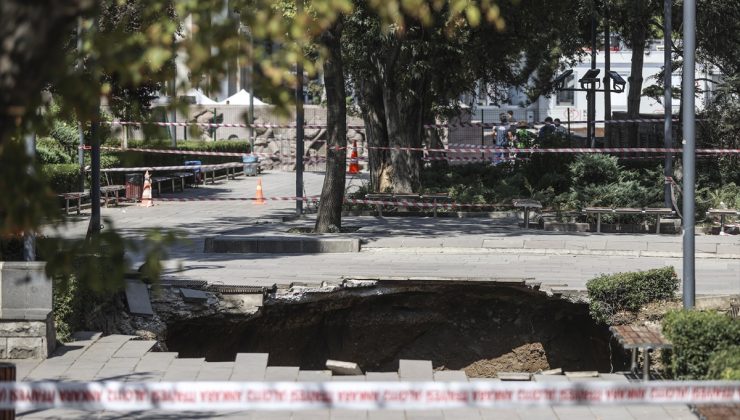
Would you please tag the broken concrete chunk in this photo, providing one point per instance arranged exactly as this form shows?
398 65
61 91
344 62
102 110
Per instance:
514 376
137 297
343 368
583 374
194 296
556 371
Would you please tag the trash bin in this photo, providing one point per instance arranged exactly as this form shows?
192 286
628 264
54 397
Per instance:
198 175
251 165
134 186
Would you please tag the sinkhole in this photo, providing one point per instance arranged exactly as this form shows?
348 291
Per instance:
479 327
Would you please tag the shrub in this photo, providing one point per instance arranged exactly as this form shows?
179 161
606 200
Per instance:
66 306
725 364
613 293
62 177
704 344
594 168
48 150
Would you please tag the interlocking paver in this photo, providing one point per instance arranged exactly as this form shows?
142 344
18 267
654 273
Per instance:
183 370
281 373
415 370
135 348
215 371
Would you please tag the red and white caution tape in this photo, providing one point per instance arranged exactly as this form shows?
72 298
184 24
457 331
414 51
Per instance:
176 168
467 149
295 396
362 127
185 199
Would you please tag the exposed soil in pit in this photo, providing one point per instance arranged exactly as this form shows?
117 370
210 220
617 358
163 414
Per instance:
481 328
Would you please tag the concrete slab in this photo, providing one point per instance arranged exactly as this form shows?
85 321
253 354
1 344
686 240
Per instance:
135 348
313 376
450 376
415 370
183 370
296 245
381 376
137 297
249 367
347 415
339 367
215 371
194 296
386 415
281 373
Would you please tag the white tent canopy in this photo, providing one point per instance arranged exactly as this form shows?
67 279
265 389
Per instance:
240 98
200 98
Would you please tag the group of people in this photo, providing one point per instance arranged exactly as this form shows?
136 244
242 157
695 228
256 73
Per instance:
517 135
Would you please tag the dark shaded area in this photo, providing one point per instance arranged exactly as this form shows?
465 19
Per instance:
454 325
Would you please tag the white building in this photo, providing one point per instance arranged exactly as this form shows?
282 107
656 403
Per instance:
573 105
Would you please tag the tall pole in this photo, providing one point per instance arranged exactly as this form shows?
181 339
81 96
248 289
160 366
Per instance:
689 150
607 67
94 228
667 101
80 131
299 118
251 92
174 110
29 238
592 91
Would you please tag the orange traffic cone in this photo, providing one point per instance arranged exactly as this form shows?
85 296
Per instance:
146 194
354 166
258 197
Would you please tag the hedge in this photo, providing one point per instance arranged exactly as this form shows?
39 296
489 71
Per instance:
725 364
705 344
62 177
133 159
609 294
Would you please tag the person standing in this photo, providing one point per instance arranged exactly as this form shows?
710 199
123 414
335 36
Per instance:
502 137
560 129
546 130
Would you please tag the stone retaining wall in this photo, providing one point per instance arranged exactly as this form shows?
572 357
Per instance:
26 319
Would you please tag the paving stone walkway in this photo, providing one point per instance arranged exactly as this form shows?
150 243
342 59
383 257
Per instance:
120 358
392 247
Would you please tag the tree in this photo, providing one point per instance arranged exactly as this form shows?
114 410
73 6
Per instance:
329 217
407 77
634 21
37 53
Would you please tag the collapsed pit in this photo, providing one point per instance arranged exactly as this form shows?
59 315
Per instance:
482 328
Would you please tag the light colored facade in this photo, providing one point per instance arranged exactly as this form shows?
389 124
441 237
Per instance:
573 105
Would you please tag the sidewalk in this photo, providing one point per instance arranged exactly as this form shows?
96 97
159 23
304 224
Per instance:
394 246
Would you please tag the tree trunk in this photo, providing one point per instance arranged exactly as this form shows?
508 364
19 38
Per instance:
433 140
329 217
637 41
373 115
404 123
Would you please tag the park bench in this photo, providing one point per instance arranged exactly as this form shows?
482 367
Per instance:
656 211
636 338
527 204
401 199
722 213
78 196
231 171
111 192
158 180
